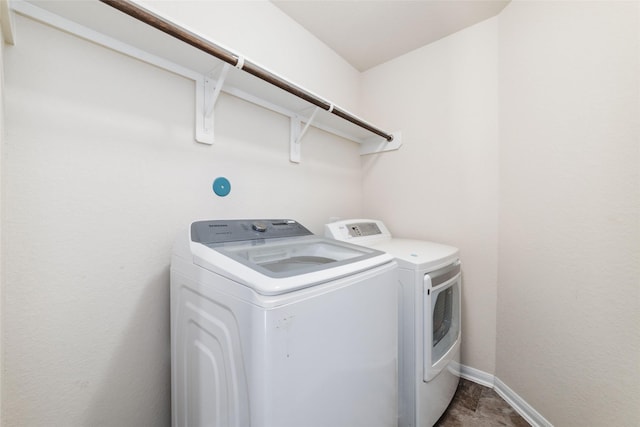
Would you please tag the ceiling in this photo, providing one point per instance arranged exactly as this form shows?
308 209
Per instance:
370 32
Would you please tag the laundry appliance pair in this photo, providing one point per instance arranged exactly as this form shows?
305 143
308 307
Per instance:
272 326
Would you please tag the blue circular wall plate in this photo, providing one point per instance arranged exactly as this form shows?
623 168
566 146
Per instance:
221 186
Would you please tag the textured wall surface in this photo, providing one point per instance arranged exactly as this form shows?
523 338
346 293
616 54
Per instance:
100 172
442 185
3 23
569 288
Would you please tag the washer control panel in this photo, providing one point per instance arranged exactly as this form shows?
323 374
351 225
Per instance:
223 231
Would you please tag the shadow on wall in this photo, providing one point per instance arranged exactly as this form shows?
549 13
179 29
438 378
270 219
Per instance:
136 386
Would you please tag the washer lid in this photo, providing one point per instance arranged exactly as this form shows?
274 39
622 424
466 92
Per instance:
418 254
295 256
276 266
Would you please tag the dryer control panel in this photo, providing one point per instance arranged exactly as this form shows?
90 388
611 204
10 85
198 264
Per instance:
357 230
363 229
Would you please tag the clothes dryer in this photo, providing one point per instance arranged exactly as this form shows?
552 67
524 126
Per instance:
272 326
429 310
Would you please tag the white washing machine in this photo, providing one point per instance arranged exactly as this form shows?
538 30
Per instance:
272 326
429 310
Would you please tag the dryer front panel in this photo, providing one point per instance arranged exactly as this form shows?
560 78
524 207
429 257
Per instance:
441 311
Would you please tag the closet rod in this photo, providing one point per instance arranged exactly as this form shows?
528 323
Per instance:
143 15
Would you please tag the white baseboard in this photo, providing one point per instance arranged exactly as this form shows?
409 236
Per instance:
527 412
477 376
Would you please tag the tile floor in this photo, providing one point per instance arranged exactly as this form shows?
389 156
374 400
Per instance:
474 405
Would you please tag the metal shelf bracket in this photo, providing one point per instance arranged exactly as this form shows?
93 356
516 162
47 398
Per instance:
7 24
297 132
207 93
377 145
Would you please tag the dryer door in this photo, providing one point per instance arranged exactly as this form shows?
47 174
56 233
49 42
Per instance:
442 318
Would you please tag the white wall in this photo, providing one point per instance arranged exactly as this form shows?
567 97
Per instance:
569 288
5 28
100 172
442 185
